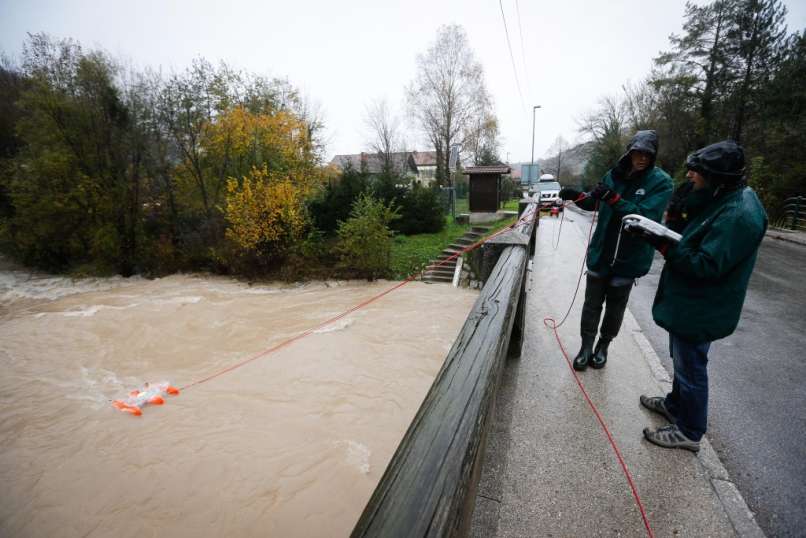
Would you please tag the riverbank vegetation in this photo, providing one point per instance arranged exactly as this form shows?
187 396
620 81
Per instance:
411 253
108 169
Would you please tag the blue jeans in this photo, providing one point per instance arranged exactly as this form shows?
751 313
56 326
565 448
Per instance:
688 401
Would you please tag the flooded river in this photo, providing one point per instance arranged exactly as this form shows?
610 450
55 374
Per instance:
291 444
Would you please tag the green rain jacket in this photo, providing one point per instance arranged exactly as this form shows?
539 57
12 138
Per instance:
704 282
646 194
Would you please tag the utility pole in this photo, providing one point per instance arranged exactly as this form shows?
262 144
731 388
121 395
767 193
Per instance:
453 161
532 166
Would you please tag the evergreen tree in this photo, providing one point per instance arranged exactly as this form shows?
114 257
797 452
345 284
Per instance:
778 169
700 61
757 42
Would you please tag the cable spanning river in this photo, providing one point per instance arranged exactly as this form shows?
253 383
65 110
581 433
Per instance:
291 444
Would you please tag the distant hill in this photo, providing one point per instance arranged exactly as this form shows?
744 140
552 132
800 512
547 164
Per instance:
573 162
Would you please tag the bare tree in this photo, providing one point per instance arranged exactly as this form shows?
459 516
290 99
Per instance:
189 102
384 132
606 126
556 152
313 115
640 106
448 94
482 140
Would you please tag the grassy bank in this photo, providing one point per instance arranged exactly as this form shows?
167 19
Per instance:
410 253
509 205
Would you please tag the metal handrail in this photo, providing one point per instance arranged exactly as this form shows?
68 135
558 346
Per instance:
794 210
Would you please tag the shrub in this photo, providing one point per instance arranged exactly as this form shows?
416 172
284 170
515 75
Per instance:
265 217
365 240
421 211
334 202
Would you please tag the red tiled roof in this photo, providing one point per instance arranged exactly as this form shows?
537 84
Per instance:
425 158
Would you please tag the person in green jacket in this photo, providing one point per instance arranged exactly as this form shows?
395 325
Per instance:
703 283
634 185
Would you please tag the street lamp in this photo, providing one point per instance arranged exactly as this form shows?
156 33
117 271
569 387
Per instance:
532 166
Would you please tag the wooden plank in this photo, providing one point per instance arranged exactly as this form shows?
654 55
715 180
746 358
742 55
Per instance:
428 488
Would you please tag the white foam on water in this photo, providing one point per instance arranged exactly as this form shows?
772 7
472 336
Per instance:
87 311
82 313
258 291
185 299
356 454
21 285
97 385
339 325
243 289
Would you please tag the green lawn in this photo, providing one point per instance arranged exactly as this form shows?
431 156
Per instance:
462 205
410 253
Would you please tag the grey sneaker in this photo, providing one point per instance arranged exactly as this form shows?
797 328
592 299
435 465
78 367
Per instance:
657 404
671 437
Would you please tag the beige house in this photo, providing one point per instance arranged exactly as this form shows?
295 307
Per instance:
420 166
373 163
426 162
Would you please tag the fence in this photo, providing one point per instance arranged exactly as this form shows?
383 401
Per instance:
795 213
428 488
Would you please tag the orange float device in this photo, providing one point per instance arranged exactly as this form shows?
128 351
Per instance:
152 393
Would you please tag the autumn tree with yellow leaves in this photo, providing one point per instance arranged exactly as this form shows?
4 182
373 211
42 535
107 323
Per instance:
273 173
104 168
265 215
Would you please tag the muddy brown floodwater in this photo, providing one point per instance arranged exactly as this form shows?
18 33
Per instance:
292 444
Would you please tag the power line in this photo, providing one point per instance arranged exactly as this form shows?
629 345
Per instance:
523 50
511 56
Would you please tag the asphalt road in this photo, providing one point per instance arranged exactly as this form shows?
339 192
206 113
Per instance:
757 378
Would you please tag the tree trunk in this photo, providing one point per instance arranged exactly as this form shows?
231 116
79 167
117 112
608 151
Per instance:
706 105
748 72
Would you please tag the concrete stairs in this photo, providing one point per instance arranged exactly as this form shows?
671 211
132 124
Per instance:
439 270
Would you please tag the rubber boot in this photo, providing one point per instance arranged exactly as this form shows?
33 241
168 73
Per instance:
599 358
585 353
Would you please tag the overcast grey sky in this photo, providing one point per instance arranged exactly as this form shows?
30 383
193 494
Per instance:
345 54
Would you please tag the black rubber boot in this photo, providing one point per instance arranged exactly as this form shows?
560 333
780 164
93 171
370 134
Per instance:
599 358
585 353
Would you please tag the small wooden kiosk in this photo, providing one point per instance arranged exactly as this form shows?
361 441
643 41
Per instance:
485 190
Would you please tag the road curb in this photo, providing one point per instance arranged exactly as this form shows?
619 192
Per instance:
740 516
788 236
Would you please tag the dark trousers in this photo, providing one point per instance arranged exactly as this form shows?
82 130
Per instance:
688 401
598 292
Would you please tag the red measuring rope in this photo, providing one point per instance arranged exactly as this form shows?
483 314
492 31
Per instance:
552 324
359 306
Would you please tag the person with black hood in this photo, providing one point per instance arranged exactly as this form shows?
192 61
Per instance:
634 185
703 283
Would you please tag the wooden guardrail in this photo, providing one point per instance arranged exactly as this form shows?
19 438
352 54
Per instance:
429 487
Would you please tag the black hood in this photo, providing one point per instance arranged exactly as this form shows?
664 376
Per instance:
722 162
645 141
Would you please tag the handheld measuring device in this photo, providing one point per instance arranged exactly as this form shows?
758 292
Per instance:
649 227
645 226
